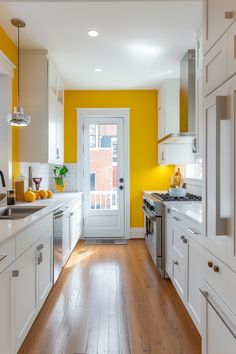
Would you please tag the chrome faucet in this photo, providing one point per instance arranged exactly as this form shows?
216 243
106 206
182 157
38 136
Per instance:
3 195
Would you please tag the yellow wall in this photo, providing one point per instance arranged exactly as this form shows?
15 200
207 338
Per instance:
144 172
10 50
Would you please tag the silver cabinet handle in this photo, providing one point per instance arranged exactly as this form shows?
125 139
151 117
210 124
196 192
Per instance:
40 257
15 273
177 219
58 153
72 213
221 114
40 247
176 262
2 257
162 156
196 233
219 312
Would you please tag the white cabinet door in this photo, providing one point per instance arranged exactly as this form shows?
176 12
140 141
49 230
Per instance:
52 127
168 242
232 49
194 279
175 154
218 335
168 107
179 260
60 133
218 16
7 314
26 294
44 267
217 186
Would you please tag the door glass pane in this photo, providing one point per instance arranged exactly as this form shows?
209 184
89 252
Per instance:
103 166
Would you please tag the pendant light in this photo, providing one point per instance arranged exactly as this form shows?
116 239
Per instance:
18 117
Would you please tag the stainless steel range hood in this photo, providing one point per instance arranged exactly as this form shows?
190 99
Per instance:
186 134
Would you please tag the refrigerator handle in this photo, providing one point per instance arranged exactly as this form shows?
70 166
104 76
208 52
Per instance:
221 116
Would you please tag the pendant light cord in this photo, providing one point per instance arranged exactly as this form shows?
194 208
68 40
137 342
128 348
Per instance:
18 96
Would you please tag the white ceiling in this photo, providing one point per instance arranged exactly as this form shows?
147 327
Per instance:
139 44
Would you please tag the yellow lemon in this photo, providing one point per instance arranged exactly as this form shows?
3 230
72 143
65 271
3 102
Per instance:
29 196
43 194
49 194
37 195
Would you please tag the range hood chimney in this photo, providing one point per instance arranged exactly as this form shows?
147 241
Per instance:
186 132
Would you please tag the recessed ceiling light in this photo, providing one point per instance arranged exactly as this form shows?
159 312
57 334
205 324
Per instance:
97 70
93 33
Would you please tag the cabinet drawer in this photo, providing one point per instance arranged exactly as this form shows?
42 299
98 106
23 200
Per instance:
7 254
215 66
232 50
32 234
178 274
221 279
179 239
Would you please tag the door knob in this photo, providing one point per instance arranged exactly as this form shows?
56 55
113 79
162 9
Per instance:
121 188
121 180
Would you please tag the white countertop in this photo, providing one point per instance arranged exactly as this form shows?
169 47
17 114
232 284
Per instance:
192 210
9 228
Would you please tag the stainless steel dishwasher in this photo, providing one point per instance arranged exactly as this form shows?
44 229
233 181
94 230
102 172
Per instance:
57 243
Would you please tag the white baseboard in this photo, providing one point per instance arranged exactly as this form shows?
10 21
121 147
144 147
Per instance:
137 232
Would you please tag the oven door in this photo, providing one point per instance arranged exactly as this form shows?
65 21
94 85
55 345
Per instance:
150 233
153 237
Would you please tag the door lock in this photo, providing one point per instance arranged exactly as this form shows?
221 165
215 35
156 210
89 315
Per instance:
121 180
121 188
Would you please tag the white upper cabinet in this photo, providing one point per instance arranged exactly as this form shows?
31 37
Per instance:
168 108
42 96
218 16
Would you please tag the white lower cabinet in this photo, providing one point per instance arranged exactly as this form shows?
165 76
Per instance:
194 280
25 295
44 267
218 335
187 260
7 315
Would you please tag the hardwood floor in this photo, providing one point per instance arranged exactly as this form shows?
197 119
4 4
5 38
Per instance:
110 299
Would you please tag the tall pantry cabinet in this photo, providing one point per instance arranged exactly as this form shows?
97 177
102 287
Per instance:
42 96
219 114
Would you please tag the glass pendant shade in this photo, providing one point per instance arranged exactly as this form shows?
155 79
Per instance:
18 117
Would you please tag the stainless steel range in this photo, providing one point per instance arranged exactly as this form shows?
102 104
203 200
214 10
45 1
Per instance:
154 212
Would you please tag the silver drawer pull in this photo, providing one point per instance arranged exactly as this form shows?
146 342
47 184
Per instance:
15 273
177 219
219 312
40 258
193 231
40 247
176 262
2 257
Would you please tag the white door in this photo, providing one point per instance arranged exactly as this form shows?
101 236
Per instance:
103 177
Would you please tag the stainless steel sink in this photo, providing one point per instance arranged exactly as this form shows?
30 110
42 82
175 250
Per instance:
18 212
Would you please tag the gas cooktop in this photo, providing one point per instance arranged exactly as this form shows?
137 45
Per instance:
165 197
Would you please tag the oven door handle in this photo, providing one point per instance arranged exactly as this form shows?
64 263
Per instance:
147 213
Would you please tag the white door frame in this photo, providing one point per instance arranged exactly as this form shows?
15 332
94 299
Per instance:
123 113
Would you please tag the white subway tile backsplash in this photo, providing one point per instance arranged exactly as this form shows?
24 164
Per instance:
45 171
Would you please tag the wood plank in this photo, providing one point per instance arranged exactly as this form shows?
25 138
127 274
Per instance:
110 299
